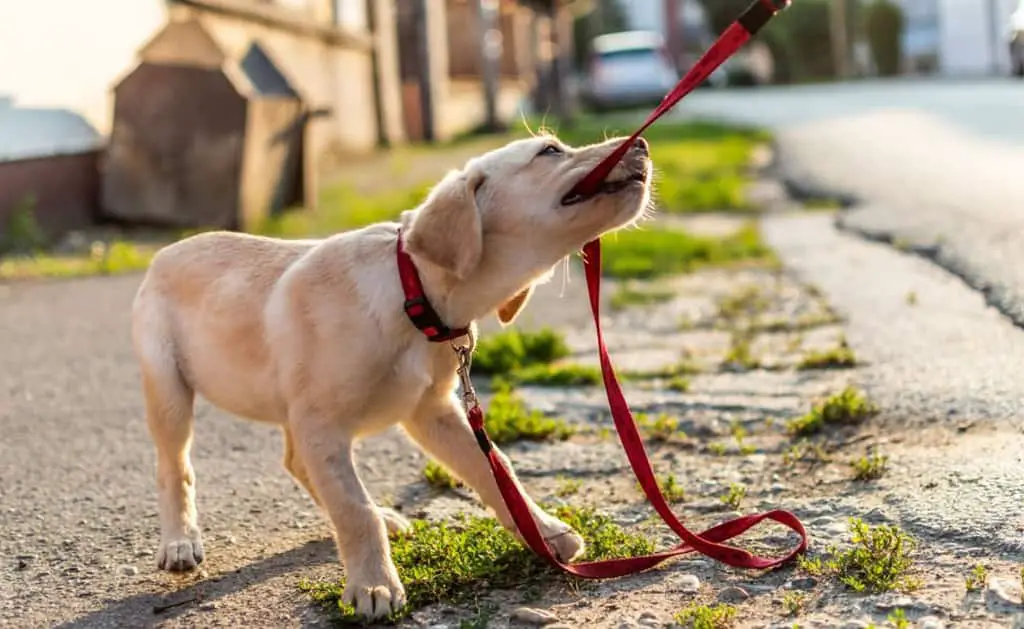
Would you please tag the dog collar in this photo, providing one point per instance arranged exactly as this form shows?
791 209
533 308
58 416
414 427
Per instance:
417 306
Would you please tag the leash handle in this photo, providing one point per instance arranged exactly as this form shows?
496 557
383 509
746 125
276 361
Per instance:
708 542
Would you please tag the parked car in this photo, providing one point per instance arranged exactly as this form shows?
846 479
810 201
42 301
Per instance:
628 68
1017 41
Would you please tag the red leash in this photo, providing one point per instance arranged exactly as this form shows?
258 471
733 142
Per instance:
708 542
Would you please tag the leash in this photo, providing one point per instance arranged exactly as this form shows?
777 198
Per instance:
708 542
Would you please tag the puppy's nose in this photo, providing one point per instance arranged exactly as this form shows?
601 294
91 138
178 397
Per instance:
640 146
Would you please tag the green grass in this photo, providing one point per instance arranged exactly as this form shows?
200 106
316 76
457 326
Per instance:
734 497
510 350
568 487
793 602
849 406
653 252
507 419
740 355
457 562
560 375
437 476
102 259
698 616
660 428
838 357
628 295
880 559
870 467
669 486
977 578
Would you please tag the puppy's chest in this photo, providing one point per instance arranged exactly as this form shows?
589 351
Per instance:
417 373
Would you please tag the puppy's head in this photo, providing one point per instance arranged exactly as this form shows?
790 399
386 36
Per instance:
507 217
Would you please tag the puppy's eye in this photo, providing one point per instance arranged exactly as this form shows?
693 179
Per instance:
550 149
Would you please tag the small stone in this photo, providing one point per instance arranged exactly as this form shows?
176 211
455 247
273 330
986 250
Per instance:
651 619
733 595
687 583
533 616
855 624
803 583
930 622
628 624
128 571
560 625
1003 593
208 607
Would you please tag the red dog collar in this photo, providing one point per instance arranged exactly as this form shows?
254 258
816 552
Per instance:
417 306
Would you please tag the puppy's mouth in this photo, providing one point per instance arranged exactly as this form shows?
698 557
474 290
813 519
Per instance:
608 187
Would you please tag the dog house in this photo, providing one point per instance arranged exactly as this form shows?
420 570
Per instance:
202 140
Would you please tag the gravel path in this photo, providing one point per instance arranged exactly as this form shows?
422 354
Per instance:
78 508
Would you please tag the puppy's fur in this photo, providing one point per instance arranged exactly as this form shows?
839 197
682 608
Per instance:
310 335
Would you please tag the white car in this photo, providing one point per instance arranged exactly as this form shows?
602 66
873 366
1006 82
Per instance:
629 68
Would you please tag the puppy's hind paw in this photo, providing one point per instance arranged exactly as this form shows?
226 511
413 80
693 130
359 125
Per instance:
395 523
180 554
565 542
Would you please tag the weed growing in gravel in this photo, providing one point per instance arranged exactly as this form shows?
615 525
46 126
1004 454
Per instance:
849 406
839 357
805 451
748 301
652 252
679 384
717 448
437 476
663 427
734 497
670 488
680 369
464 559
631 295
510 350
871 467
700 616
739 433
880 559
547 375
739 356
507 419
568 487
977 578
793 602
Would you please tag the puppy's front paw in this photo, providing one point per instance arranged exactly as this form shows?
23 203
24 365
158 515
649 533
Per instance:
394 522
374 593
566 543
179 554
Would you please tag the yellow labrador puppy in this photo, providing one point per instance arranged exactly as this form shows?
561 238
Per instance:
311 335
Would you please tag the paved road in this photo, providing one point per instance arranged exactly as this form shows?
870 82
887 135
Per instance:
935 165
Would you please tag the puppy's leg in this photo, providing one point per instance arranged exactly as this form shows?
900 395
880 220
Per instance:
440 427
372 585
293 463
169 415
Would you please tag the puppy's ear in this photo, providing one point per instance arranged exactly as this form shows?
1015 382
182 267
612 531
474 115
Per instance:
446 230
508 311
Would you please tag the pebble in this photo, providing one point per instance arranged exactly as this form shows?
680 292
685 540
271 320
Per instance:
650 619
687 582
533 616
559 625
1003 593
803 583
930 622
128 570
208 607
733 595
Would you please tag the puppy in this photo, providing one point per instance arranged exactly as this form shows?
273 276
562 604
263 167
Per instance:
311 335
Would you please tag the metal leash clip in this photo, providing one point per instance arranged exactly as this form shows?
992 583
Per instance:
465 358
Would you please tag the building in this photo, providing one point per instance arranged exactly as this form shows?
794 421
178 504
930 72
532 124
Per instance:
957 37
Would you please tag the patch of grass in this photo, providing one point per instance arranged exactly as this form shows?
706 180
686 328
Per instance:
747 301
700 616
630 295
821 203
793 602
653 252
670 488
512 349
838 357
437 476
805 451
977 578
740 356
463 560
734 497
880 559
568 487
739 433
717 448
660 428
678 370
849 406
507 419
679 384
870 467
561 375
103 259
